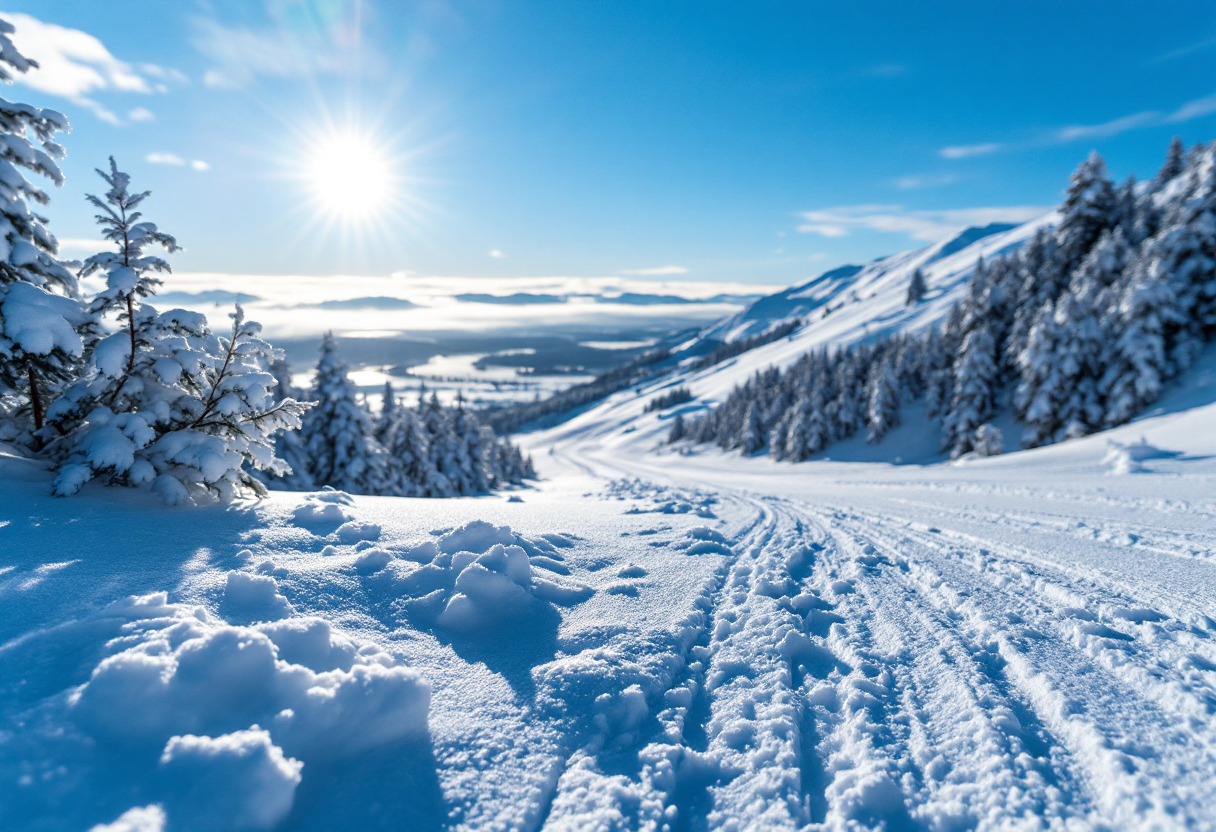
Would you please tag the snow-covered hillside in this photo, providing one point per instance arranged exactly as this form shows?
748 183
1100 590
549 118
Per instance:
841 307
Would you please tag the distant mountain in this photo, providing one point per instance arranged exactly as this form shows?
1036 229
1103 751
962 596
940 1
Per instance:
516 299
643 299
219 297
366 303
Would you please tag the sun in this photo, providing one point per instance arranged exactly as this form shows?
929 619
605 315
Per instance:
350 176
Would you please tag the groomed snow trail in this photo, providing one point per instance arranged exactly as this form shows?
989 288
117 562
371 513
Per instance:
950 651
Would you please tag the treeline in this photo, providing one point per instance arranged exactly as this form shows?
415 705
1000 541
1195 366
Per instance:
673 397
1075 332
423 451
732 348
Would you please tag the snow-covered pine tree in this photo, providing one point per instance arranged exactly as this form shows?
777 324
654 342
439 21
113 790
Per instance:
1039 388
288 445
1186 249
1139 364
678 430
43 328
916 287
389 409
441 448
337 431
196 410
975 371
883 411
1088 210
752 438
988 440
1174 160
164 400
797 448
473 453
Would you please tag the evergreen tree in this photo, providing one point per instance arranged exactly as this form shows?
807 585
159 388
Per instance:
678 429
337 431
389 410
916 287
1139 366
1089 209
988 441
1174 160
883 400
45 329
752 439
196 410
974 389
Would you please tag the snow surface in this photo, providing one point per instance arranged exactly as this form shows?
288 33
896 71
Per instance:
649 640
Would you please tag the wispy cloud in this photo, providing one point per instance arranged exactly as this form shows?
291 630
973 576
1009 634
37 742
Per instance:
240 55
1183 52
1193 109
914 182
1197 108
930 226
173 160
657 271
962 151
75 65
1109 128
496 254
141 114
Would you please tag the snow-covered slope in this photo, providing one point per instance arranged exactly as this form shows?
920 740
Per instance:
850 285
840 307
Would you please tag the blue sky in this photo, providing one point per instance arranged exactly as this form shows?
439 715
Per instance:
760 142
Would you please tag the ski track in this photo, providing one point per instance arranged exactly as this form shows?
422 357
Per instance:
863 669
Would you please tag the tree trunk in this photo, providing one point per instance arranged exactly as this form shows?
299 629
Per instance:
35 398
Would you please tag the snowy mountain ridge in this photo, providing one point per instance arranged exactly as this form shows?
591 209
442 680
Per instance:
846 284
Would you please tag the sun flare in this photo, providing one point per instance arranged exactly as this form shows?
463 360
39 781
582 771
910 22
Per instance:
350 176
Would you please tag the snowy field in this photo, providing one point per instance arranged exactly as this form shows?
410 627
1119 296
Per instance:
642 640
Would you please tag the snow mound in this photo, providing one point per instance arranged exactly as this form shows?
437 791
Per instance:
1129 458
185 689
480 574
324 511
236 781
253 597
477 536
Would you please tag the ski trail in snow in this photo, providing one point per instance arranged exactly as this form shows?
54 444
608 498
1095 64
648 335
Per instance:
1041 666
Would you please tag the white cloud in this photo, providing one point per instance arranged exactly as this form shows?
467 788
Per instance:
1109 128
164 159
200 165
81 244
962 151
75 65
657 271
241 54
141 114
1193 109
496 254
907 183
930 226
